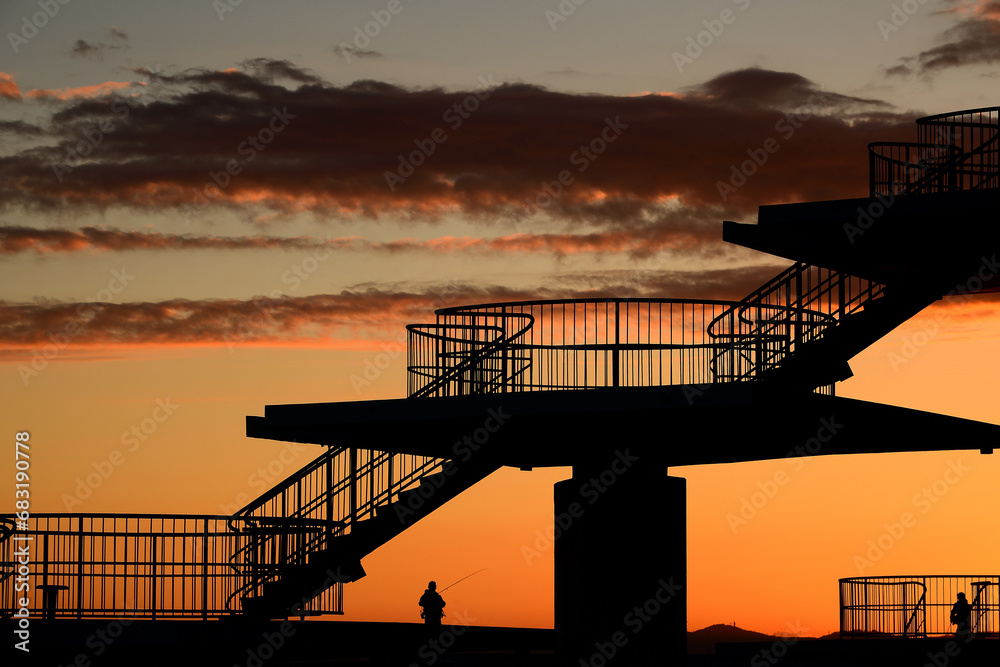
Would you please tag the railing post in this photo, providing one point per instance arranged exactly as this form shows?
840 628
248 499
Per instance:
840 591
843 285
796 315
79 568
372 470
388 481
45 559
952 158
329 495
152 570
352 472
906 623
864 588
872 172
615 359
205 571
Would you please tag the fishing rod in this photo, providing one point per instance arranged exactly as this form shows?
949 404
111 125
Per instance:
462 579
441 611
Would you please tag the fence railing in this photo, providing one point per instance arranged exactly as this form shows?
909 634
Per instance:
300 516
119 566
588 343
563 344
917 606
792 309
956 151
160 566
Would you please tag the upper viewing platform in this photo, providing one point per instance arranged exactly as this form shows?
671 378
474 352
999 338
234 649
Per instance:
862 267
954 152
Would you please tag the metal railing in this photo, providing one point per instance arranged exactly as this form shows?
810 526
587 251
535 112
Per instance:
917 606
151 566
588 343
792 309
300 516
470 350
955 151
563 344
159 566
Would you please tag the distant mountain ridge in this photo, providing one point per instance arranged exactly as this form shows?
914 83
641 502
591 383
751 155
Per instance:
703 641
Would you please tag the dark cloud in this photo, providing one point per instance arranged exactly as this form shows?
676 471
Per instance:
278 319
787 91
19 128
84 49
117 35
348 53
974 40
201 139
17 239
362 313
681 232
114 40
566 71
270 70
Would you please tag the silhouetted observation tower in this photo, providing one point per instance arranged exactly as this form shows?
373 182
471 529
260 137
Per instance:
620 389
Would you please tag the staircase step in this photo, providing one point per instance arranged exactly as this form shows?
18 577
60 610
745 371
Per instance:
346 567
437 480
390 510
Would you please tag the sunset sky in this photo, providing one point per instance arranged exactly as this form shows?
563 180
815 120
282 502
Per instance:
207 207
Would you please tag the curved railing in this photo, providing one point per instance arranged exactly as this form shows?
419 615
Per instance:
955 151
468 351
900 168
762 328
916 606
617 342
564 344
792 309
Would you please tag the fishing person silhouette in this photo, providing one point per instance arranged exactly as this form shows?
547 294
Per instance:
432 606
961 615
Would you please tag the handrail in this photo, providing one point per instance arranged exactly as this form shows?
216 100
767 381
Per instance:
564 344
149 565
599 341
472 360
919 606
869 608
805 300
939 119
955 151
980 606
323 500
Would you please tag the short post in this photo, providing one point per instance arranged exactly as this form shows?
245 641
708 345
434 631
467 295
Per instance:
50 599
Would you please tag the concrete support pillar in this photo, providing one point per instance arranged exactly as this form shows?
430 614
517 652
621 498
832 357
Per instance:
621 565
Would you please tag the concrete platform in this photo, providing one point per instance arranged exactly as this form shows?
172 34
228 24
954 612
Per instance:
144 643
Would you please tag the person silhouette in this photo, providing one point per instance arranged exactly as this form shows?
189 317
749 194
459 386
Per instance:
433 606
961 615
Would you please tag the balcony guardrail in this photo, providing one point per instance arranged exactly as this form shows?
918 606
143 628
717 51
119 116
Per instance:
150 566
955 151
563 344
917 606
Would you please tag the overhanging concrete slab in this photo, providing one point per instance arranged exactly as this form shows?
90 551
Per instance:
678 425
902 239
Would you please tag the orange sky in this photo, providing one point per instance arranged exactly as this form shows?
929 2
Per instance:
203 210
780 566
